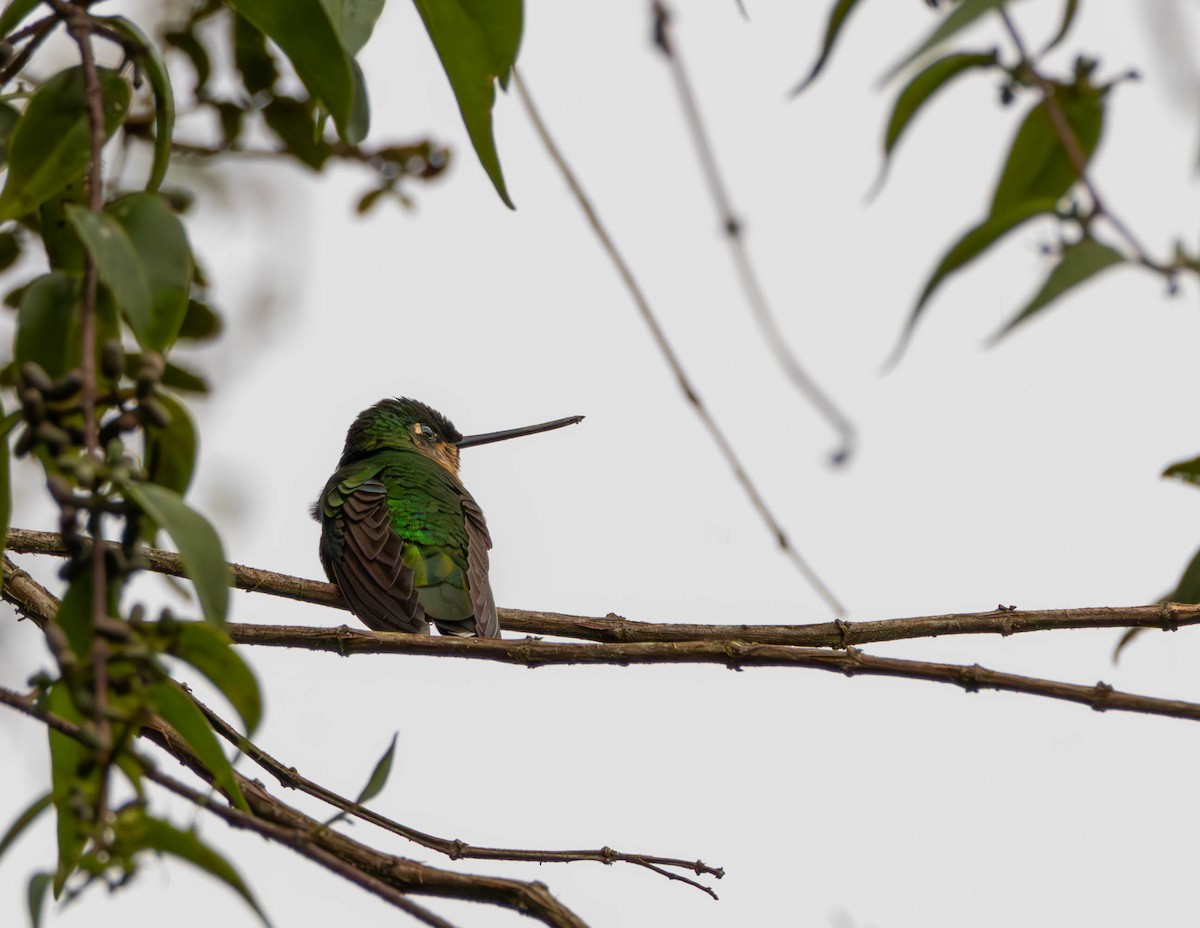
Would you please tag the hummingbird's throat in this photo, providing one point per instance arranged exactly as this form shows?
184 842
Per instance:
444 454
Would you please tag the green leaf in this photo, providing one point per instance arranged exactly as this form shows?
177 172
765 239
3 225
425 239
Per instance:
180 378
1188 588
75 616
10 250
294 121
210 650
477 42
198 544
837 19
1068 17
38 883
1038 166
49 147
120 266
48 324
1187 471
5 495
354 20
66 757
151 61
171 451
377 780
959 17
145 833
1078 263
200 322
23 821
305 33
160 242
180 711
964 251
918 91
252 58
187 43
15 13
9 117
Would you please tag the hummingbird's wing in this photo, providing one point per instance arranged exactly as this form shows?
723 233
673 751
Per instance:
366 558
487 623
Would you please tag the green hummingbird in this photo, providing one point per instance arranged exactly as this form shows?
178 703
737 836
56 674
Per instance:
400 535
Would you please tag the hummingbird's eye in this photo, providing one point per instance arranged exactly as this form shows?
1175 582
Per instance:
423 430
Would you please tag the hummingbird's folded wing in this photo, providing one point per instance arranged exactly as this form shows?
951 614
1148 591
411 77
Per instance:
487 623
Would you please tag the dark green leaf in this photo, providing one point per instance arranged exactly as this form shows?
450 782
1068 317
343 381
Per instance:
38 884
63 248
211 651
1188 588
1038 167
185 381
75 615
960 16
1187 471
354 20
145 833
5 494
303 30
49 147
294 122
191 46
66 756
119 263
151 61
171 451
48 324
200 323
965 250
837 19
160 242
23 821
1064 26
198 544
918 91
9 117
15 13
1079 262
252 57
477 42
377 781
180 711
10 250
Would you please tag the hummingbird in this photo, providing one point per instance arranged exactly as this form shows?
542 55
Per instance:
401 536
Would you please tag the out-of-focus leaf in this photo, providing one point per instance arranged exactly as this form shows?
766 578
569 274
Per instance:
23 821
211 651
180 711
305 33
171 450
49 147
48 323
66 756
252 57
1064 26
10 250
186 42
1038 167
918 91
160 242
75 615
1187 471
967 249
143 832
5 499
837 19
1079 262
119 263
294 122
960 16
180 378
155 68
200 322
9 117
199 546
477 42
14 13
377 781
354 20
64 250
1187 590
36 895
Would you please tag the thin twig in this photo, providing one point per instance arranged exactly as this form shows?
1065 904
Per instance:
37 33
668 353
734 230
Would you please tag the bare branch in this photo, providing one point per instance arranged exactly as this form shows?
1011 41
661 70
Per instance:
668 353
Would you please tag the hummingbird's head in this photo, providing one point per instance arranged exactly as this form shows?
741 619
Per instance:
403 424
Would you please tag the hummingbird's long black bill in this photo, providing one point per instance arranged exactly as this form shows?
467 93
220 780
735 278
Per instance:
487 437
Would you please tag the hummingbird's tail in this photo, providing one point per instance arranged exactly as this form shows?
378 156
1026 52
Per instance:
464 628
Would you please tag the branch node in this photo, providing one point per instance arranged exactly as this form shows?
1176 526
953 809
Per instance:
1100 693
608 855
1169 621
843 629
968 678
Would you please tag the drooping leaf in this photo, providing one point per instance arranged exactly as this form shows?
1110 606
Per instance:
36 896
377 780
1070 8
48 323
119 263
14 14
155 68
180 711
1187 471
354 20
918 91
199 546
252 58
178 377
66 756
1079 262
211 651
142 832
171 450
957 19
1038 166
1188 588
294 121
837 19
305 33
23 821
977 240
160 242
9 117
477 42
49 147
200 322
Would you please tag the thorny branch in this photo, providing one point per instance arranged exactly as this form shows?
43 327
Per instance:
668 353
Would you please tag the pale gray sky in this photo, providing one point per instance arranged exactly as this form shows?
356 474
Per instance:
1025 474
